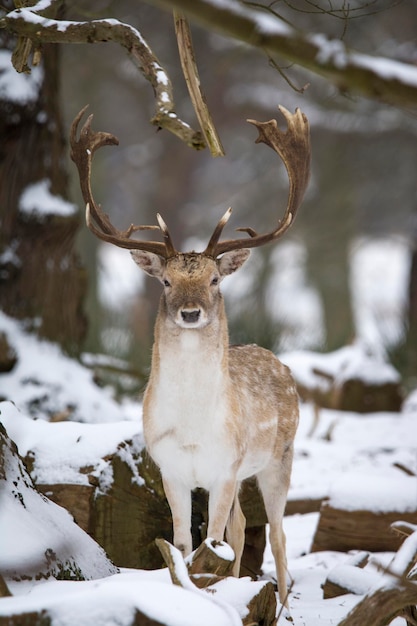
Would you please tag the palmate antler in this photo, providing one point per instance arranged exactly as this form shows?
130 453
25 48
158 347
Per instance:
292 145
82 152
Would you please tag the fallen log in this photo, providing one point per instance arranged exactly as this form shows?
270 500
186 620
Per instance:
394 594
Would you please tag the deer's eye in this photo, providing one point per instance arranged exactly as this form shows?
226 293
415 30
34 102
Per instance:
215 280
166 283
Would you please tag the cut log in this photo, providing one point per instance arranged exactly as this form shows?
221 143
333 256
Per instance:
211 557
33 618
126 514
41 618
39 538
262 608
118 498
342 530
360 511
349 577
4 590
380 608
348 379
207 564
77 499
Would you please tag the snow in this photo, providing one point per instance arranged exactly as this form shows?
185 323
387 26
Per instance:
330 50
387 69
334 51
46 384
351 362
352 460
397 493
113 601
378 311
31 525
119 278
19 88
37 200
322 468
61 449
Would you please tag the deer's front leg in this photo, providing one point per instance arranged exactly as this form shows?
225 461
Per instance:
179 500
221 498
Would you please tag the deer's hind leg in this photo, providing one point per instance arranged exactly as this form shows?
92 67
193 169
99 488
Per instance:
274 482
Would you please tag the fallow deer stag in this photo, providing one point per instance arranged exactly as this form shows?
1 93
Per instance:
213 414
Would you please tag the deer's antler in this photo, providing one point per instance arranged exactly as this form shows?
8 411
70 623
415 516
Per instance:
293 146
82 152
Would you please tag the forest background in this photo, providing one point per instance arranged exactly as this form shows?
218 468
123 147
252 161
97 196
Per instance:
330 282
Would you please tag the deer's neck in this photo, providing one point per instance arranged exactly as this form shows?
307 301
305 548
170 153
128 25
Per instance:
189 366
194 349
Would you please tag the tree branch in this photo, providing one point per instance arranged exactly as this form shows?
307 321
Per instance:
377 78
29 25
190 71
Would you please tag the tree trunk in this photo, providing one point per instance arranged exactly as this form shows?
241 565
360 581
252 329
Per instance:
328 235
42 281
411 341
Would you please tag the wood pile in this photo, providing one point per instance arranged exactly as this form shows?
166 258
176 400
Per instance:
128 516
210 566
126 513
387 593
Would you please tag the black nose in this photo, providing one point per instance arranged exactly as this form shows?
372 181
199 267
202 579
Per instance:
190 316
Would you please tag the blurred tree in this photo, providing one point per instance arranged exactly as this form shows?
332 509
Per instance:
42 281
360 148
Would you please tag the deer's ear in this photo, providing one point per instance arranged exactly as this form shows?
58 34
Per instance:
231 261
149 262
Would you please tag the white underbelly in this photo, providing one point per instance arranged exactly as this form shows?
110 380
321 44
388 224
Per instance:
193 464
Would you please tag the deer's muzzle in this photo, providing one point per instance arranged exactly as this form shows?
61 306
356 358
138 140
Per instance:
191 317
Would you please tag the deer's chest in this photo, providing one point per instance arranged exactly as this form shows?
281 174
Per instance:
186 418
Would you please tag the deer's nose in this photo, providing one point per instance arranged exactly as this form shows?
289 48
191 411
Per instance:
190 316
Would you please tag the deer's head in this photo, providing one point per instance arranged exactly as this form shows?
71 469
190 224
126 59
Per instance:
191 280
191 283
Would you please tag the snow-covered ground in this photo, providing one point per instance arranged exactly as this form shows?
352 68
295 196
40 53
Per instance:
357 458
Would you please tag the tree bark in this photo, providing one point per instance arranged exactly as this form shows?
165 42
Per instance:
42 281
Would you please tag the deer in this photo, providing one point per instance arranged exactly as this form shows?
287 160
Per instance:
214 414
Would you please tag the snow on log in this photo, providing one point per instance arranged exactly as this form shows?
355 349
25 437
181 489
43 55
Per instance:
39 538
349 379
102 475
349 577
394 594
360 510
126 599
208 572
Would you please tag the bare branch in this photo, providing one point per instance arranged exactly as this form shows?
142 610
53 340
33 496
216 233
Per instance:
31 26
377 78
190 71
289 82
